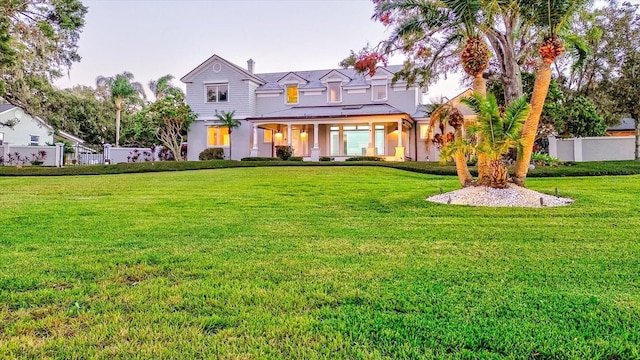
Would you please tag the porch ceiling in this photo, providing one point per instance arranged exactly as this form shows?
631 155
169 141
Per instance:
341 111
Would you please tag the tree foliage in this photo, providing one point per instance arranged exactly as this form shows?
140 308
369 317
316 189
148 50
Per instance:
38 39
170 118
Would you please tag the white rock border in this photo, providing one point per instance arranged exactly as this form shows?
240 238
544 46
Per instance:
512 196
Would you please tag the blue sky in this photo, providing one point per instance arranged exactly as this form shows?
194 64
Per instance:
153 38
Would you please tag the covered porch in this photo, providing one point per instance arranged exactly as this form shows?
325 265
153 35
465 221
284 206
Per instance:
383 135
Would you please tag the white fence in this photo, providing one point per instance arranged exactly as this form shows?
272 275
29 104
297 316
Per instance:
25 155
116 155
592 148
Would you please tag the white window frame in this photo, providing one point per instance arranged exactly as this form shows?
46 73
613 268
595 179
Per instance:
1 138
386 91
286 94
32 142
206 92
339 83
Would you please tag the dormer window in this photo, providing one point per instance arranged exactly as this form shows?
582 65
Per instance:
335 92
217 93
292 94
379 90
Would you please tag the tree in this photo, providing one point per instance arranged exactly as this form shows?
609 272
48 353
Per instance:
170 118
226 119
162 86
121 88
459 149
626 92
553 16
38 40
582 119
501 132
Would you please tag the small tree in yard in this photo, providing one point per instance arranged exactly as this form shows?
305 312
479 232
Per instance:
172 118
226 119
626 92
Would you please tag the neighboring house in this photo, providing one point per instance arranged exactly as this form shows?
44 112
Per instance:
335 113
28 130
627 127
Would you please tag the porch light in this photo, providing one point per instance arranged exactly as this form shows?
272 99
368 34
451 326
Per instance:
303 134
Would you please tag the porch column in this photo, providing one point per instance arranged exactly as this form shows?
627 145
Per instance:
315 151
289 140
254 149
399 148
371 149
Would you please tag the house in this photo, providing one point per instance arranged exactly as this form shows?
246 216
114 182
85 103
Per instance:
627 127
27 130
335 113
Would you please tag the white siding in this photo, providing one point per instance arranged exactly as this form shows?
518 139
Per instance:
26 126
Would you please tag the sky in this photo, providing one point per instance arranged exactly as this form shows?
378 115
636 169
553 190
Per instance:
154 38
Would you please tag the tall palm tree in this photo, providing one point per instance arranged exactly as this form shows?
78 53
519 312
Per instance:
162 86
121 87
551 16
227 120
501 131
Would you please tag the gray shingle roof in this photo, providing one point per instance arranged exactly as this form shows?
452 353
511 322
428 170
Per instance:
313 76
301 112
625 124
5 107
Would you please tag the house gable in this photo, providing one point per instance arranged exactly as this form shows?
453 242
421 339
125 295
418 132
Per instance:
216 63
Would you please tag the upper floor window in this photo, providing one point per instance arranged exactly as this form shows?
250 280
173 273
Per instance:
335 92
292 94
1 138
217 136
379 91
217 93
35 140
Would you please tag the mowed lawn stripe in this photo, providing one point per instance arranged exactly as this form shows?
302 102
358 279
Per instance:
314 262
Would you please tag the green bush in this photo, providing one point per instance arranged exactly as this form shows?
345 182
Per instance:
473 161
257 158
542 159
326 158
295 158
284 152
212 154
365 158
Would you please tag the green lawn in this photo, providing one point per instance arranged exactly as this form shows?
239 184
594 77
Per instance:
314 262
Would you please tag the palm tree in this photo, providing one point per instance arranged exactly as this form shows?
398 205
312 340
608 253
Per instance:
121 87
227 120
501 131
459 149
162 86
554 16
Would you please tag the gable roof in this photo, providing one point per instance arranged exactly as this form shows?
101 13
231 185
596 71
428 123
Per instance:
6 107
189 76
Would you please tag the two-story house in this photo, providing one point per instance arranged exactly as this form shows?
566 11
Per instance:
334 113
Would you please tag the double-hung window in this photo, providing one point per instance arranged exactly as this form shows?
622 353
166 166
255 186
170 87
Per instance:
379 90
34 140
217 93
292 94
335 92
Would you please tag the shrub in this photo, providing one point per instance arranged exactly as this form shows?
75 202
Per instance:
326 158
257 158
473 161
295 158
38 157
284 152
212 154
542 159
365 158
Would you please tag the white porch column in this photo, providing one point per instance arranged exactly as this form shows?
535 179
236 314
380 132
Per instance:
254 149
289 135
371 149
315 151
399 148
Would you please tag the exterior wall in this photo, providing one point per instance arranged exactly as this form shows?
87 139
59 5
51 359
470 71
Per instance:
26 126
53 157
592 148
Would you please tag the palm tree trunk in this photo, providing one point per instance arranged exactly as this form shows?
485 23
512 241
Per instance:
499 174
540 90
480 87
461 163
118 110
229 144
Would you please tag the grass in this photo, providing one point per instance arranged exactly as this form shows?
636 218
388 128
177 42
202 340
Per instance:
314 262
595 168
